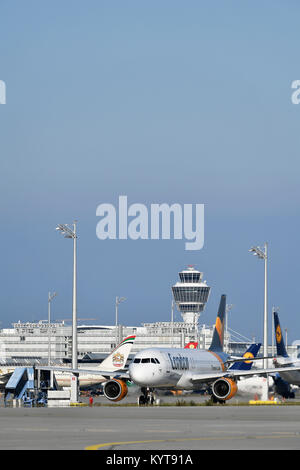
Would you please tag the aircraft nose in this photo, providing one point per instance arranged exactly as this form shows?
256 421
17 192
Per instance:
141 375
136 374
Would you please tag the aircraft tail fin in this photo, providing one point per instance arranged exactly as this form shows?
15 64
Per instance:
191 345
249 354
117 358
281 350
218 335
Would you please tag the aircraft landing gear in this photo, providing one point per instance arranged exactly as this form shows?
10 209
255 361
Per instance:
147 397
217 400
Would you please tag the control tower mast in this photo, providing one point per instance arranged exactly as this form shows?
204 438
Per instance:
191 295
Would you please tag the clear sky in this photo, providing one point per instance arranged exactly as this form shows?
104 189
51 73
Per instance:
175 102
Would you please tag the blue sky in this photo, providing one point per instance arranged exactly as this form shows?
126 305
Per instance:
163 102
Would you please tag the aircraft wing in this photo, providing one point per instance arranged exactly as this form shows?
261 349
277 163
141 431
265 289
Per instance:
233 359
122 373
207 378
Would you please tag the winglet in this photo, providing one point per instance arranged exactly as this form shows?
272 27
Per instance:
218 335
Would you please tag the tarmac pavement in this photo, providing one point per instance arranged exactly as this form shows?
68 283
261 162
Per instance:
150 428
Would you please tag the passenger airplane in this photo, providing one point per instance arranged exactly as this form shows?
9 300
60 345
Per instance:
184 369
281 383
180 369
291 375
114 363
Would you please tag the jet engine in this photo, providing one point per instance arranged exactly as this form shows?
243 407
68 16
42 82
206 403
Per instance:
224 389
115 389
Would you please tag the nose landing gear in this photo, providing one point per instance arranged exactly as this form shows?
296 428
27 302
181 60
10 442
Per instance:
148 397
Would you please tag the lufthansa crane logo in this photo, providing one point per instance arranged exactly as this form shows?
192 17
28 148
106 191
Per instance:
278 334
248 355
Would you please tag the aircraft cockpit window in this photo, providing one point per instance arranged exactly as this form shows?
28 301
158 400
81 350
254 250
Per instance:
146 360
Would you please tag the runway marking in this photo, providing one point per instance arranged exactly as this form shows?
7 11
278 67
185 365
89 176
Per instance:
219 438
109 444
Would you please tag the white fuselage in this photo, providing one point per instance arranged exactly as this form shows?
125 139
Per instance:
174 367
253 386
63 379
292 376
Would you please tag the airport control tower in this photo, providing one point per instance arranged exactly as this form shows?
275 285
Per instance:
191 295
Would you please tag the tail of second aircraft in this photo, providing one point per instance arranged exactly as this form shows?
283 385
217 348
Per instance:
116 360
218 335
281 351
191 345
249 354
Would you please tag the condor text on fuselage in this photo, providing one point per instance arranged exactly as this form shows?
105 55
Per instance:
179 362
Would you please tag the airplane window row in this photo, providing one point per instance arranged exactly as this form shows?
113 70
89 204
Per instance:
146 360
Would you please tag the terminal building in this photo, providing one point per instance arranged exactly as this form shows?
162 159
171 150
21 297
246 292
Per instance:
29 342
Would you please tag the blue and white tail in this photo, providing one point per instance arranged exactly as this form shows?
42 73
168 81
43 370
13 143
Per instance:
249 354
281 350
